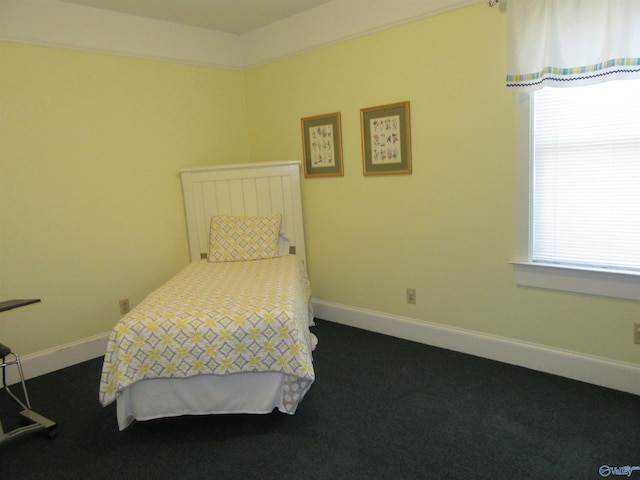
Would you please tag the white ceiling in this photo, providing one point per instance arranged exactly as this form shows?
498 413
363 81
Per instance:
229 16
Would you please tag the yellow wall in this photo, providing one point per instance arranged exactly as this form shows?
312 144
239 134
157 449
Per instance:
91 208
447 230
90 198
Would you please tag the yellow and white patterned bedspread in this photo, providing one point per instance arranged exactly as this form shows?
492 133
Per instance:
220 319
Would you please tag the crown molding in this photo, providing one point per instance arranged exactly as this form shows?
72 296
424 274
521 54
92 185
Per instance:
334 22
66 25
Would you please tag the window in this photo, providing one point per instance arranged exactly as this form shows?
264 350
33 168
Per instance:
579 189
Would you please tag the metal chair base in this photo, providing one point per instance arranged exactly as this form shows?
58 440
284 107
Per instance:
36 421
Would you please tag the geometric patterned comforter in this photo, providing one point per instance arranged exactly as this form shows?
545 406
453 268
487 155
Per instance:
218 319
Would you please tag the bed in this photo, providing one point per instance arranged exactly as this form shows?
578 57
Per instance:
230 332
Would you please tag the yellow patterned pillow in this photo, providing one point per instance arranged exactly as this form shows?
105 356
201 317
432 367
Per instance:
235 239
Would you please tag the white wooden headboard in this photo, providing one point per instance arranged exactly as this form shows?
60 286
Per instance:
242 190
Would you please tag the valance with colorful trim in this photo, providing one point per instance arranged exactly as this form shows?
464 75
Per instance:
567 43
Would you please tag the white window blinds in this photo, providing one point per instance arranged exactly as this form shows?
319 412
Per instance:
586 176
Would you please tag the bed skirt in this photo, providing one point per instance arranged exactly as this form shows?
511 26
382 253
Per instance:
253 393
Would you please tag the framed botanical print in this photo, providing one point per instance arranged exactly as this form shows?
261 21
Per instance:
386 139
322 145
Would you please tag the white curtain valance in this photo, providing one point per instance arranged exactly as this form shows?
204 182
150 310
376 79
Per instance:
567 43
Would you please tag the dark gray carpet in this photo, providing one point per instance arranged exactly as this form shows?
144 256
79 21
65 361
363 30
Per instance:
381 408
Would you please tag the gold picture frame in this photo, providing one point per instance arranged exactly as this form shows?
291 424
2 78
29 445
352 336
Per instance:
386 139
322 145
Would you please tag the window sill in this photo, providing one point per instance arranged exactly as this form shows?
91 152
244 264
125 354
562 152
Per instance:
618 284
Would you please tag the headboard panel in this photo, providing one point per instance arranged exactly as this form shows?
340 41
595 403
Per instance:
242 190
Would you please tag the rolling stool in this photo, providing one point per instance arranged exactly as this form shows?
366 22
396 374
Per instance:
36 422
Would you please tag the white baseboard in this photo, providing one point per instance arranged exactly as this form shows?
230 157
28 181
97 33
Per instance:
590 369
586 368
56 358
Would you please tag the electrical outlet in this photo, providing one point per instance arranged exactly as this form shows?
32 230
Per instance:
636 333
411 296
124 306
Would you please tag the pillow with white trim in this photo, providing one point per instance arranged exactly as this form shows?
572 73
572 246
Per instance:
237 239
